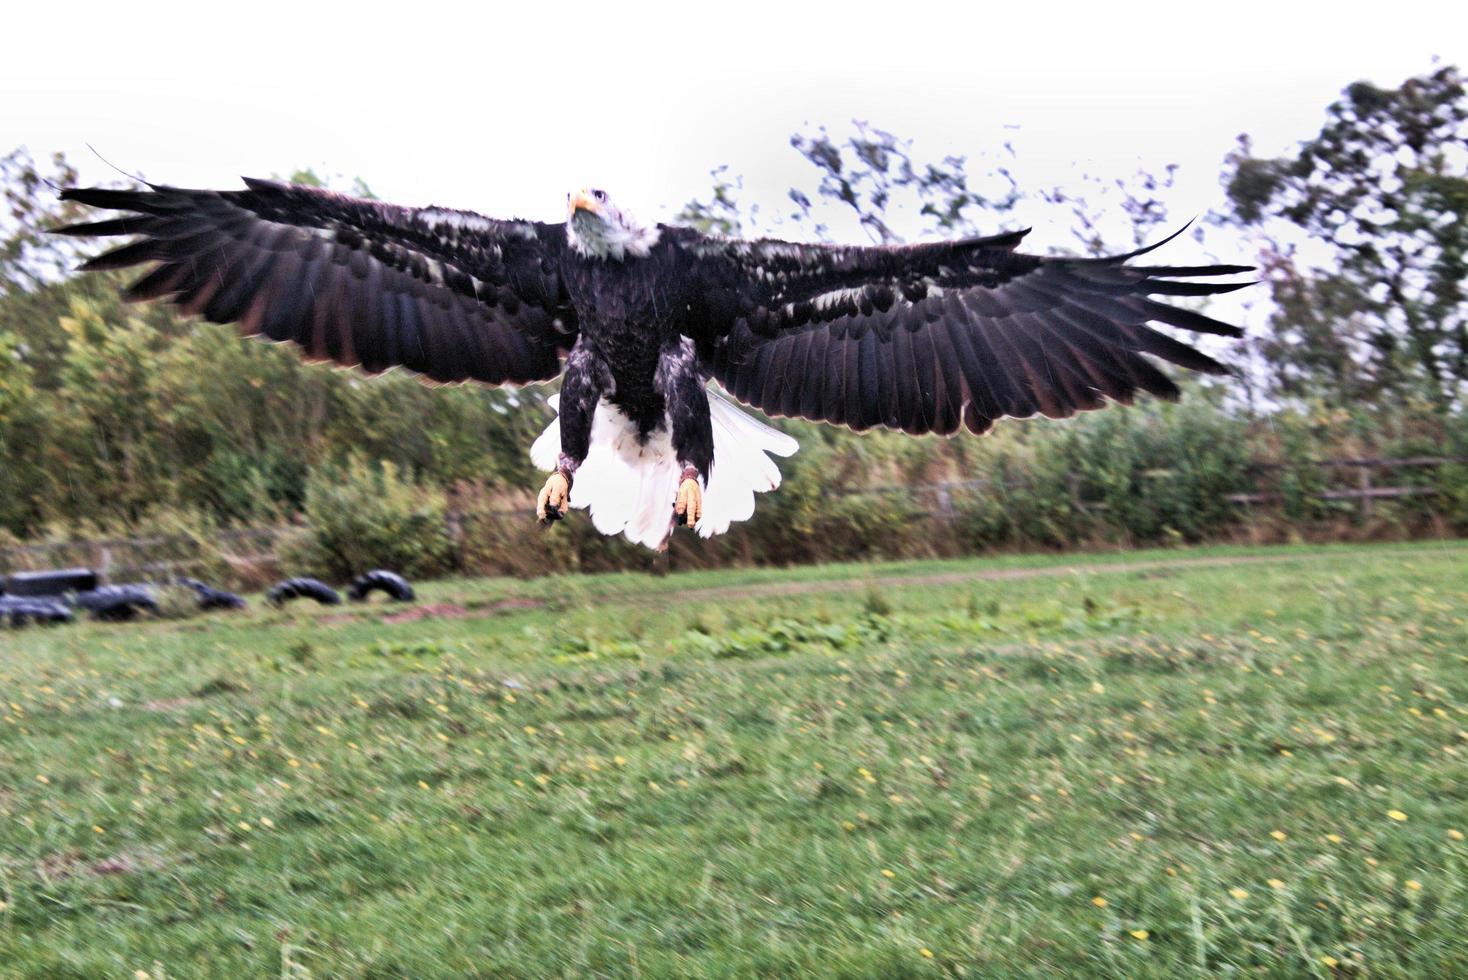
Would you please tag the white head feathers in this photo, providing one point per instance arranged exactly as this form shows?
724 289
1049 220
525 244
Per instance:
599 229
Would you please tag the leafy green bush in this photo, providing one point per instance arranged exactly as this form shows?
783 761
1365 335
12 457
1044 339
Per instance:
362 515
1154 473
1161 471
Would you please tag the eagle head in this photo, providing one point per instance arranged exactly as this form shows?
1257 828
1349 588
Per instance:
598 229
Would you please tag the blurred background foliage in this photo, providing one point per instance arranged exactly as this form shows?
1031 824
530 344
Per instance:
120 420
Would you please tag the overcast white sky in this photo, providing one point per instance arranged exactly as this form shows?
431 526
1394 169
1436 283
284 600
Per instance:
502 109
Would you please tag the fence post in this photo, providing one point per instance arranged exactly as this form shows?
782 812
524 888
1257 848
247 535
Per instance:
1364 480
454 522
945 503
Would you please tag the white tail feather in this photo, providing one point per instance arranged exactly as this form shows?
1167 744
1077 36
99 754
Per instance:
630 486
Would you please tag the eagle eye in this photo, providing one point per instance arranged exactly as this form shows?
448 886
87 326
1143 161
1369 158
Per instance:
600 196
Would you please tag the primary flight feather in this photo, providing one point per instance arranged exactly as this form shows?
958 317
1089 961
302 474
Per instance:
923 338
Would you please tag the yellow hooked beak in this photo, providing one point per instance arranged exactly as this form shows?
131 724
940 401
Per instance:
583 200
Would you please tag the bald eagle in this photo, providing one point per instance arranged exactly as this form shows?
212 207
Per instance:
637 320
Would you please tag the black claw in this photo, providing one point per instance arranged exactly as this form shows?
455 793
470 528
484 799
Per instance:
552 514
683 519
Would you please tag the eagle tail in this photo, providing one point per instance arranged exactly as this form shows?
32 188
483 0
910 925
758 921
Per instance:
629 486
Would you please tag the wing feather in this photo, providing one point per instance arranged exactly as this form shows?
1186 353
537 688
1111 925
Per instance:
448 294
928 338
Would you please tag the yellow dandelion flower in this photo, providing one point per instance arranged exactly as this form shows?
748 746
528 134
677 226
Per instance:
422 784
1330 961
1396 815
1275 883
1279 835
1413 885
1099 902
895 798
96 829
43 780
886 873
927 953
529 729
620 760
1141 934
267 822
1455 834
243 825
1238 893
847 825
1333 838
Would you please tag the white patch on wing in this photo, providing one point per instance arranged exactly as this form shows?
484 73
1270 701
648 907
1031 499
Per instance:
456 220
781 250
837 296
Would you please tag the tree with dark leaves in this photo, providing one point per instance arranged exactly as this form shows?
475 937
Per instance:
1384 188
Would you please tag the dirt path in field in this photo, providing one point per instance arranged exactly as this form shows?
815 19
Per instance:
776 589
771 590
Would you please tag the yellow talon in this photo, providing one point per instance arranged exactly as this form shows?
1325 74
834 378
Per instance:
551 504
689 509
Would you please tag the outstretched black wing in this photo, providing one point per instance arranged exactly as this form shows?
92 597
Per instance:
925 338
449 294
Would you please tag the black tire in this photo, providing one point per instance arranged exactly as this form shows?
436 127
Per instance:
55 582
302 588
396 587
18 611
211 598
221 599
117 603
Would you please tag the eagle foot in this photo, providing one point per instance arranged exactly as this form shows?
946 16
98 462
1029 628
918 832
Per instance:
689 508
554 496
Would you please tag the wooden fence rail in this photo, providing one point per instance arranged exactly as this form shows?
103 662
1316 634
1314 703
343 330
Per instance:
1365 492
153 558
167 556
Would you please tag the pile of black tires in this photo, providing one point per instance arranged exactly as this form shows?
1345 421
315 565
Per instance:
33 598
379 580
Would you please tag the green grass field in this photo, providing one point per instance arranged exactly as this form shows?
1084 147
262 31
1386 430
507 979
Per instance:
1190 763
